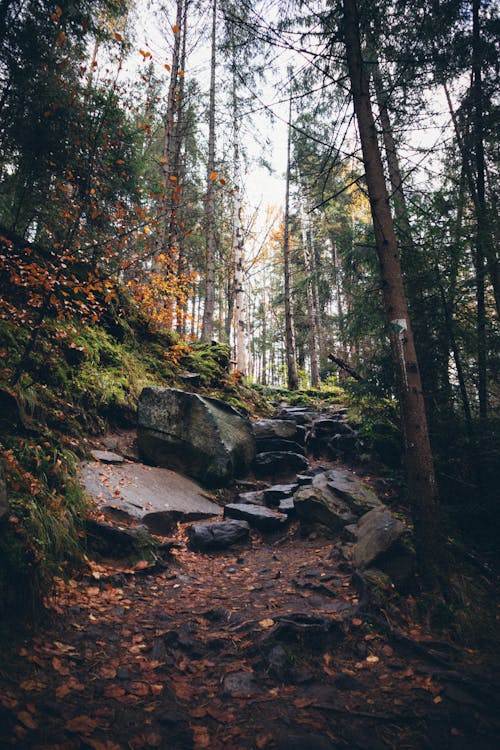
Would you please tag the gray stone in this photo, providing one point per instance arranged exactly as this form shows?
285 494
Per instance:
107 457
156 497
277 463
239 684
251 498
343 444
328 427
341 496
304 479
218 535
272 495
377 532
287 506
266 444
117 541
263 519
4 500
199 436
279 428
313 506
346 485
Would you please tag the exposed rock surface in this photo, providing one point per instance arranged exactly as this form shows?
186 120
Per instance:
264 445
156 497
218 535
260 518
117 541
277 492
335 499
251 498
202 437
107 457
379 533
279 428
278 463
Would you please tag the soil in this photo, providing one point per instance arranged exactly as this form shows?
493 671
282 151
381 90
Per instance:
270 644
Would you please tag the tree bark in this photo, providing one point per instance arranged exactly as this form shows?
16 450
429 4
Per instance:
422 488
238 246
208 312
481 229
311 307
291 357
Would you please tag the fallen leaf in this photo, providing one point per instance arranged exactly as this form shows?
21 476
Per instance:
26 718
372 659
59 667
263 740
267 623
81 725
201 738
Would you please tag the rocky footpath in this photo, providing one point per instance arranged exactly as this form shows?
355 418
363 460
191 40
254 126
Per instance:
276 624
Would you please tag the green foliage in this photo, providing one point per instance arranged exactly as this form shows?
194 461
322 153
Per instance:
378 424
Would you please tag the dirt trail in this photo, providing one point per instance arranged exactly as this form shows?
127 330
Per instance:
259 647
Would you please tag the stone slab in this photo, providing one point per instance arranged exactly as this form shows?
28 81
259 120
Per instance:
153 496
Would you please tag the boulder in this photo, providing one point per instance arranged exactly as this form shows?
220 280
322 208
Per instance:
107 457
377 533
278 463
346 485
278 492
264 445
198 436
325 427
279 428
155 497
251 498
218 535
287 506
343 444
117 541
303 479
260 518
319 505
336 498
299 415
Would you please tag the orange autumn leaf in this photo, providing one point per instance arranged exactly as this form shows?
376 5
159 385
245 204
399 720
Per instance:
118 37
81 725
26 718
201 738
213 175
175 29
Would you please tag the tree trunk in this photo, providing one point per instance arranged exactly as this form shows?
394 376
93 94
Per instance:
481 230
311 308
238 248
291 359
208 312
422 486
170 177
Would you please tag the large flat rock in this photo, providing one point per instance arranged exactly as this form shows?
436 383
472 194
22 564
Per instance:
156 497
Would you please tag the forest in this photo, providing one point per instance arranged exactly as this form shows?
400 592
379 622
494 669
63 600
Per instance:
288 208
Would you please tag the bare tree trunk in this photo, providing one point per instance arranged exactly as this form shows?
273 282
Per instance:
238 248
208 312
422 486
264 336
481 231
170 176
311 311
291 357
